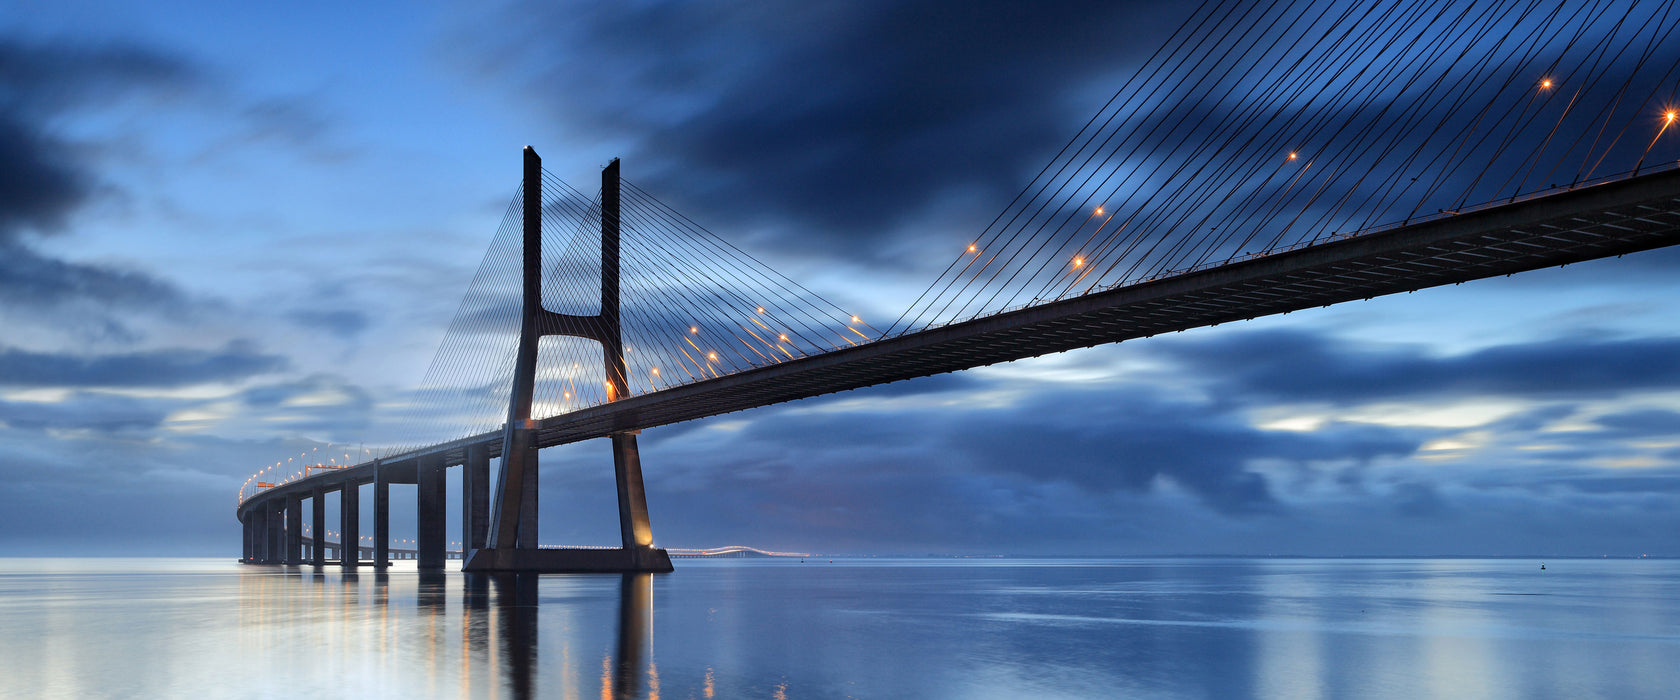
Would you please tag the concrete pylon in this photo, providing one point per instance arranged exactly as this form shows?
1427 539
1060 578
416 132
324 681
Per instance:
511 544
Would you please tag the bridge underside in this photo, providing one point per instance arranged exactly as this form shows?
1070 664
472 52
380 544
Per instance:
1584 224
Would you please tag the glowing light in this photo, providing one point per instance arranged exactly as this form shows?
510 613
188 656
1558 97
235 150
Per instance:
1546 84
761 309
694 329
971 248
1669 116
711 356
568 394
856 319
1079 262
784 336
1292 156
1099 211
656 371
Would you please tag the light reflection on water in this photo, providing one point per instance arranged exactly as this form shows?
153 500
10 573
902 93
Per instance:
78 628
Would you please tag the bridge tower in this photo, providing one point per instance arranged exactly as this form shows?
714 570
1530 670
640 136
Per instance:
511 544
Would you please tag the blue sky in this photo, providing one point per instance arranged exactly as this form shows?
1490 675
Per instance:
231 234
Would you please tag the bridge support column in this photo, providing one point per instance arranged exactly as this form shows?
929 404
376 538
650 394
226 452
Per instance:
475 498
632 500
259 535
512 542
381 516
349 526
528 495
318 526
247 527
431 528
294 530
276 531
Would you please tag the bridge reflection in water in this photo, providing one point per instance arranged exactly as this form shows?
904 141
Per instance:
458 634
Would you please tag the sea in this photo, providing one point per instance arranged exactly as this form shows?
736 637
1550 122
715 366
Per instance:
848 628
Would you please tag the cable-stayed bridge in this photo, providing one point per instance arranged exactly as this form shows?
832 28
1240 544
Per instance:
1338 154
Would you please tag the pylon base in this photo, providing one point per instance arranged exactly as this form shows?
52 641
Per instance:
569 561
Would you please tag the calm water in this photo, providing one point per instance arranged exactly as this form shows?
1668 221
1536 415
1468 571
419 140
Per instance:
155 628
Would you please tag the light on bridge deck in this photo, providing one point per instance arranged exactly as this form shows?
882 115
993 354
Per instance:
1546 84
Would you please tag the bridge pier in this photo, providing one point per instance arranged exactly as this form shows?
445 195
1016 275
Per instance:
245 527
318 523
349 526
633 523
294 530
475 498
512 541
381 516
431 529
276 532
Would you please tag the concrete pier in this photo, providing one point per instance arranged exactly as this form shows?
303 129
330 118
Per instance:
432 528
475 497
381 515
294 530
349 525
318 525
276 532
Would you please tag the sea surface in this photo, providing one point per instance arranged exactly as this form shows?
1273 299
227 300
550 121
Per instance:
864 628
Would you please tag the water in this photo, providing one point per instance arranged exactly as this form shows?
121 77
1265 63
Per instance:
1189 628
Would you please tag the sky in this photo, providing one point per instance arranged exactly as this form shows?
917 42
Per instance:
231 234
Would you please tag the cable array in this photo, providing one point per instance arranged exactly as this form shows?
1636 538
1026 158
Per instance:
1259 127
692 305
1255 128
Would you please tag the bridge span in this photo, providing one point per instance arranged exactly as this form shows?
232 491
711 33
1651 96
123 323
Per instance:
1572 225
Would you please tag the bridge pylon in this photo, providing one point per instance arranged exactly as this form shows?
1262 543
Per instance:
511 544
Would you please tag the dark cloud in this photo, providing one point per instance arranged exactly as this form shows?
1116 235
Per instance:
31 280
1643 423
40 179
791 110
153 368
1288 365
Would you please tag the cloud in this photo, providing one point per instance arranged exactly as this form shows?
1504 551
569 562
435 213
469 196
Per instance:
40 183
345 323
787 110
29 279
153 368
1290 365
82 411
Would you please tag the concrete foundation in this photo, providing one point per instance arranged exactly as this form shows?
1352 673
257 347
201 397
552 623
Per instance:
569 561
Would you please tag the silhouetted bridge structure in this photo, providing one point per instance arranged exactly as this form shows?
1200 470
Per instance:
1094 275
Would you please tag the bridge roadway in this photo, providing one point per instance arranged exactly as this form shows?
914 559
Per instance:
1585 223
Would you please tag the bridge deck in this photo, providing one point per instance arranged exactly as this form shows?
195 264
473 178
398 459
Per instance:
1603 220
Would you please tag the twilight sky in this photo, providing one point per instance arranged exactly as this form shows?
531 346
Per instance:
232 233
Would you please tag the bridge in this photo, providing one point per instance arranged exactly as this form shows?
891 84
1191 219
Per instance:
1157 217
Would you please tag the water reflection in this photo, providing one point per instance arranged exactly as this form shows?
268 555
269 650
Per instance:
516 605
1173 628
